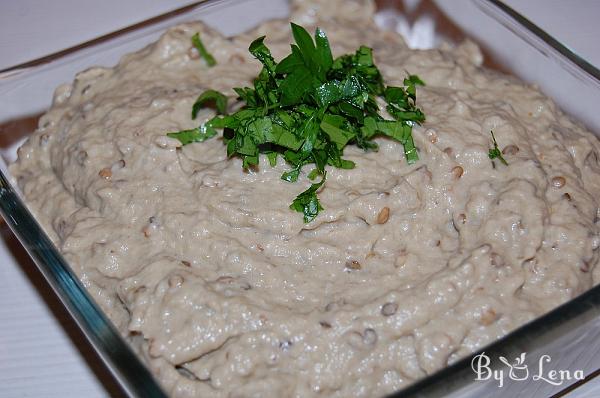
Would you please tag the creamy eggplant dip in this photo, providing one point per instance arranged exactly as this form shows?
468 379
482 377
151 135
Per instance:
226 292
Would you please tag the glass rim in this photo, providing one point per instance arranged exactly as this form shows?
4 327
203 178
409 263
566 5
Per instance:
537 37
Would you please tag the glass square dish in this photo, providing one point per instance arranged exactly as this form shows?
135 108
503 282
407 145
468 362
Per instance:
568 334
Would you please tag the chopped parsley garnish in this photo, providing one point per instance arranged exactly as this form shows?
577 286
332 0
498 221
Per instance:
210 60
307 108
495 151
307 202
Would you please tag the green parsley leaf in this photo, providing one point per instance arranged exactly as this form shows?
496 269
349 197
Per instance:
308 203
296 86
292 175
397 130
291 62
208 58
313 174
495 151
308 52
323 52
198 134
333 126
335 91
209 97
263 54
307 108
411 82
272 156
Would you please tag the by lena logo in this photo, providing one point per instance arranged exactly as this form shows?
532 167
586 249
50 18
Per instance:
518 370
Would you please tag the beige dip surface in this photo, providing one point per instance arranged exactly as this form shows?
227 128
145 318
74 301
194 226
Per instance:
226 292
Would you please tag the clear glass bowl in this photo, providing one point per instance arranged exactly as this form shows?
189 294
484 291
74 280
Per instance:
570 334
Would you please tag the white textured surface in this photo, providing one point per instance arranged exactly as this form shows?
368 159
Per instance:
574 22
41 351
30 29
544 68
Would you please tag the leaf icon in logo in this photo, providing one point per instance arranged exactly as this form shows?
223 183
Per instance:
505 361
